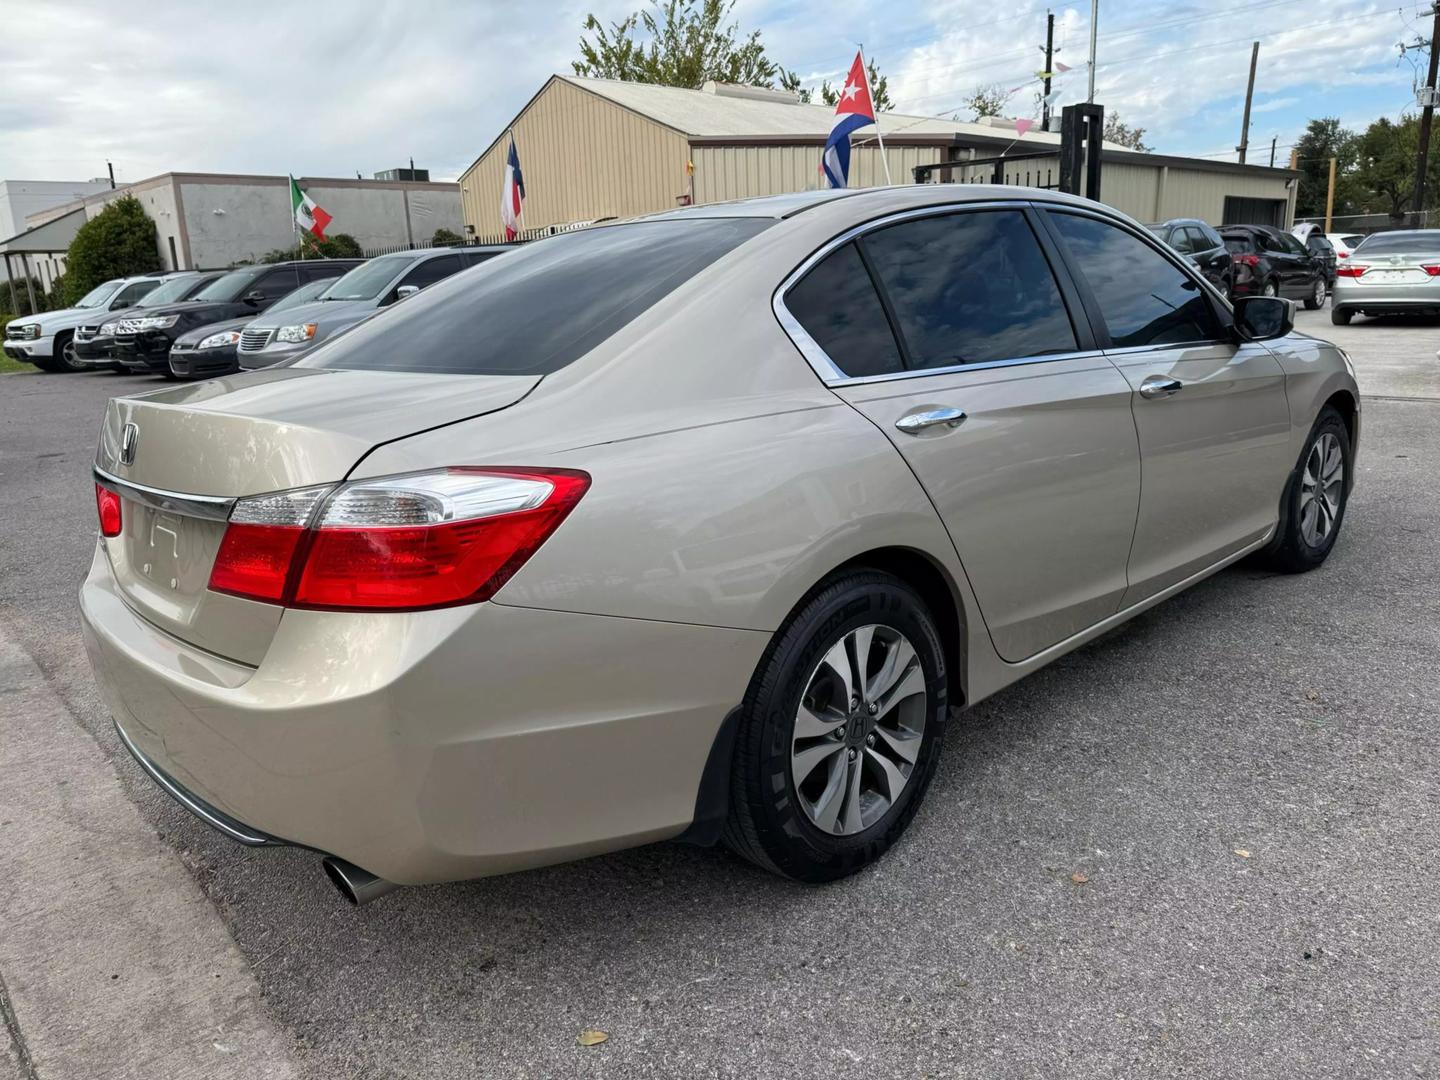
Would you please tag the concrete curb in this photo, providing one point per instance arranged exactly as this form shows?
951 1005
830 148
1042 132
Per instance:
112 961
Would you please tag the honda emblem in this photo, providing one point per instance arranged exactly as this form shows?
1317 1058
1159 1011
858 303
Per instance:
128 440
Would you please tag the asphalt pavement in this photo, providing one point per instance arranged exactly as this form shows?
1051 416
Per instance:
1207 845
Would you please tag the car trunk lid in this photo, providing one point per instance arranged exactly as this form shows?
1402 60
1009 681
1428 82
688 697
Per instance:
181 455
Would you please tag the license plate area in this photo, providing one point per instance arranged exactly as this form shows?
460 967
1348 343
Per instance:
1398 277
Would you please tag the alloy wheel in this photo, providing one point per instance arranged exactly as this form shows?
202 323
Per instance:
1322 488
858 730
1269 289
1320 293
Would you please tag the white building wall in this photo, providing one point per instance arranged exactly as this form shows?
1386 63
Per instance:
230 222
21 198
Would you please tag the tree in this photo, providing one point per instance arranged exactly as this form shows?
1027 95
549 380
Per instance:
689 43
1117 131
1385 168
987 100
340 246
1324 139
444 236
54 299
117 242
829 95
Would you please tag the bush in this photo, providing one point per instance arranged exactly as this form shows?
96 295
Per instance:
22 298
340 246
444 236
119 241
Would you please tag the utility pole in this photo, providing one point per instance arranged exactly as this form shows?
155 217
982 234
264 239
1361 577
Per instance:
1428 108
1049 56
1273 140
1330 198
111 166
1094 22
1249 93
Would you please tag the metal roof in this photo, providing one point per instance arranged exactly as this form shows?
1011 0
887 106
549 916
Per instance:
719 112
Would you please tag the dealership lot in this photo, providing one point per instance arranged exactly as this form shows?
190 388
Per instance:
1203 845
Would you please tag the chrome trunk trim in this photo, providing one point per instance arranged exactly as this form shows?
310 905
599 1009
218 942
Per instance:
210 507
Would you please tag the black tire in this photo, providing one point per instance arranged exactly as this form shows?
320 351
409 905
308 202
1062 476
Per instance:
1316 298
1291 552
64 354
1270 288
1340 316
766 823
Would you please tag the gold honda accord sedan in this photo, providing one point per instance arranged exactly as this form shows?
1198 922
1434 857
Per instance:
695 526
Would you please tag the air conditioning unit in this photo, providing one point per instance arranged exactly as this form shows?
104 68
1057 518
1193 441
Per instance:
1427 97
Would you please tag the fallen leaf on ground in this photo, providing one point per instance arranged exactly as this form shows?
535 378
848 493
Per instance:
1242 853
1079 878
591 1037
1312 695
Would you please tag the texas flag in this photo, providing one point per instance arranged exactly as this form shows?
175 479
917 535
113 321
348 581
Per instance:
852 111
512 193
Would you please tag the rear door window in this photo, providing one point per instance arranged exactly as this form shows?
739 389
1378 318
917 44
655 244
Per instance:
543 305
1197 240
431 271
127 296
969 288
1144 297
838 306
275 284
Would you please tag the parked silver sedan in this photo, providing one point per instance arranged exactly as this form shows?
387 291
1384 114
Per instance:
694 526
1391 273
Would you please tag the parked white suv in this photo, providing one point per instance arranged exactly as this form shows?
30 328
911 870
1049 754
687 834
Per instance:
47 340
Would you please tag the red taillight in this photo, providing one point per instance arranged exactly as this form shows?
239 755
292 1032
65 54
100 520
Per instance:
1351 270
401 543
107 503
254 561
1248 260
1433 269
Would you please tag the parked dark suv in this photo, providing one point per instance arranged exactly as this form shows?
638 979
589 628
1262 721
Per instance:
143 343
1203 246
1269 262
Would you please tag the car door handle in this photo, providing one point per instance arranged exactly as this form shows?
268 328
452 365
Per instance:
916 422
1160 386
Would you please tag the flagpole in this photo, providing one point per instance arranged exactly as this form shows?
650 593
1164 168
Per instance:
879 138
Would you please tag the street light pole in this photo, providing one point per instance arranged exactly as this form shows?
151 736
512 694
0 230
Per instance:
1249 93
1422 162
1094 21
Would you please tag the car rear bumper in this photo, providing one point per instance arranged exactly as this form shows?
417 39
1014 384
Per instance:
1359 295
429 746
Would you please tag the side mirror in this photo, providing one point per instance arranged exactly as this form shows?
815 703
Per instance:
1263 318
254 298
406 291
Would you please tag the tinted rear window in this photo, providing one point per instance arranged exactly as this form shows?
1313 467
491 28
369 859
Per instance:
543 305
1410 243
1238 245
838 306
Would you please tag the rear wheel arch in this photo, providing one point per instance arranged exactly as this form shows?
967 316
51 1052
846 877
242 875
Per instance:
942 599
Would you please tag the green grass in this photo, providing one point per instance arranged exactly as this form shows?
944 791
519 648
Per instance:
8 365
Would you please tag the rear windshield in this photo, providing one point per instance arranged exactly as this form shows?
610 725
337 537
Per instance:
543 305
1407 243
1353 241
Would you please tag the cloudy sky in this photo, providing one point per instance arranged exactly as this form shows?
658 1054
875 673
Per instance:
331 88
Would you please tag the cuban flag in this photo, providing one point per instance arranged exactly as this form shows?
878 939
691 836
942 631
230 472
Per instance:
852 112
512 193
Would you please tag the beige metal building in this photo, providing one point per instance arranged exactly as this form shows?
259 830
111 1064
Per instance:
596 148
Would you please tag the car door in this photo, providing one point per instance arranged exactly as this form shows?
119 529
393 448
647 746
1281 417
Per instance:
1211 415
271 286
425 273
1204 254
991 388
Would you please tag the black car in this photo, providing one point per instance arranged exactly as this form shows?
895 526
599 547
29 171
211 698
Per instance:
1203 246
1269 262
1323 250
93 341
210 350
143 343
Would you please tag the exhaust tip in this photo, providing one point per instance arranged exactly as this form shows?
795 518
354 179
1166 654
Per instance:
357 886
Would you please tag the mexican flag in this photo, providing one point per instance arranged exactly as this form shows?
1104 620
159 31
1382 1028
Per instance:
308 215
